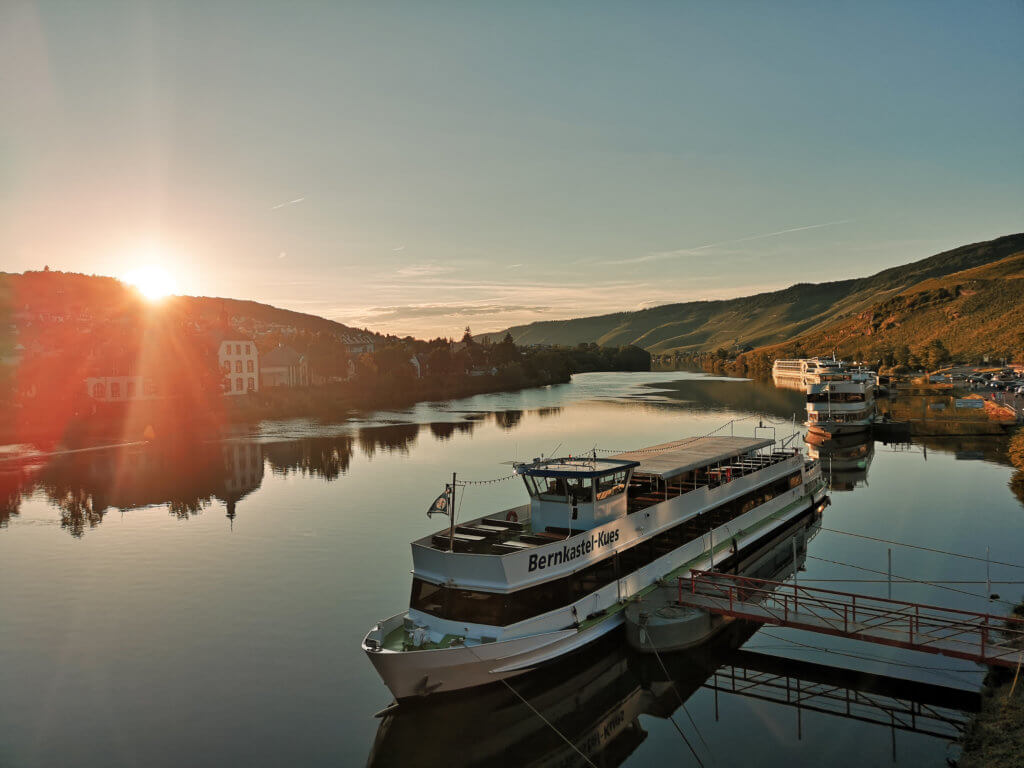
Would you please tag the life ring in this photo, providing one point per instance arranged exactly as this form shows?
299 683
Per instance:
512 517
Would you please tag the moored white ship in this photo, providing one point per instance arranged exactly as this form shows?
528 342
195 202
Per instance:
840 407
503 594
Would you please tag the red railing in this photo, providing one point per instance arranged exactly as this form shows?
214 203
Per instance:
982 637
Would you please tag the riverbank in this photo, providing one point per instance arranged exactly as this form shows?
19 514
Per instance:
995 738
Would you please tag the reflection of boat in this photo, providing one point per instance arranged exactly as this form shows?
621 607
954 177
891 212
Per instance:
501 595
658 623
844 459
594 698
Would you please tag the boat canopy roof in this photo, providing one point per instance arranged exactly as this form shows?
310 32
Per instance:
669 460
570 467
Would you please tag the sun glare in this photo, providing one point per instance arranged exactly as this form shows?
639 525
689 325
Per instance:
153 282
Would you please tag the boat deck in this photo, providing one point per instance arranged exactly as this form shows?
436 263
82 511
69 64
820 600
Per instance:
688 466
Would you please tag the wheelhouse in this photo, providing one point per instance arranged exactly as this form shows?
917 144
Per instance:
579 494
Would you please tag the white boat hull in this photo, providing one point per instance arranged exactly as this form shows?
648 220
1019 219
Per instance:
418 673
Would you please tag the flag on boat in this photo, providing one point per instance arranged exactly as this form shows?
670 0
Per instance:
441 503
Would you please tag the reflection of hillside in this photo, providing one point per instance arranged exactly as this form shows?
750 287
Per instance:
508 419
443 430
326 457
734 395
83 486
388 437
937 415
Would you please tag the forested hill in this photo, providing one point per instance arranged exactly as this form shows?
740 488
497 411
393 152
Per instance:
71 295
765 318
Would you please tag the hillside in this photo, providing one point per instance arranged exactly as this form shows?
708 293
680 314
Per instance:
766 318
973 312
71 295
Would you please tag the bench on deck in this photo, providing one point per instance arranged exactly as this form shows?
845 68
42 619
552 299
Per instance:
540 539
486 531
510 525
507 547
563 532
461 542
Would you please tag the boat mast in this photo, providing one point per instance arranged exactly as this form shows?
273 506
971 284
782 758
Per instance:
451 517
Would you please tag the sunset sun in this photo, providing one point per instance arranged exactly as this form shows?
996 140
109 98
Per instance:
152 281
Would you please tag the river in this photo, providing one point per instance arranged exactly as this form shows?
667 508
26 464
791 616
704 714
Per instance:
204 604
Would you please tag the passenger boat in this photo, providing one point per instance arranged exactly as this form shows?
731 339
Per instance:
840 406
591 702
797 374
506 593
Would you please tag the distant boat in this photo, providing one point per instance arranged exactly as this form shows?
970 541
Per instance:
840 407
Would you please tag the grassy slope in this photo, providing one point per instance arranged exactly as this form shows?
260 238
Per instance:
763 319
974 311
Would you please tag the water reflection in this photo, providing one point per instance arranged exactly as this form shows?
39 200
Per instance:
845 459
84 485
324 457
734 395
187 476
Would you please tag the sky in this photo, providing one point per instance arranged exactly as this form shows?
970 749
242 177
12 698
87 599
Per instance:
418 167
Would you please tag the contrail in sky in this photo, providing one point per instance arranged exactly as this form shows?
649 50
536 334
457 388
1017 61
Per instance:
683 251
290 202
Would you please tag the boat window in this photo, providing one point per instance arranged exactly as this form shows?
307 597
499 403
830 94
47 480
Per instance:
531 485
552 489
427 597
610 485
580 490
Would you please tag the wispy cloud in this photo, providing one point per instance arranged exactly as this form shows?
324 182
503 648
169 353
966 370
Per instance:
410 311
423 270
296 201
697 249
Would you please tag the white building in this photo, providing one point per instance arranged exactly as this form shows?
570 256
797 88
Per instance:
239 362
119 389
357 344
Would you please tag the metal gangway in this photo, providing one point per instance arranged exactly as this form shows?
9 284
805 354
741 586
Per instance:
979 637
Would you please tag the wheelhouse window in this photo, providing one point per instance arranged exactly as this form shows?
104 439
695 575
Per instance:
581 490
611 485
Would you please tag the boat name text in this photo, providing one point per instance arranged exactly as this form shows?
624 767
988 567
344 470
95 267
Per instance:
569 553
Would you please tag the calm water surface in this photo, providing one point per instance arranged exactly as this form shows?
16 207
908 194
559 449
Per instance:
203 605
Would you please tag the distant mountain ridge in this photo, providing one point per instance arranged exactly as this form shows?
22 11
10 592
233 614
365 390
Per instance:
764 319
